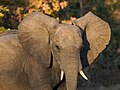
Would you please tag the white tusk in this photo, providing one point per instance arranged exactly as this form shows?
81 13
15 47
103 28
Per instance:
83 75
62 74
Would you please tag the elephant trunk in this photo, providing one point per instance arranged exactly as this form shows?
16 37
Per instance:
70 65
71 73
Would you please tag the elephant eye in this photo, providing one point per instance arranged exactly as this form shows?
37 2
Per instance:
57 47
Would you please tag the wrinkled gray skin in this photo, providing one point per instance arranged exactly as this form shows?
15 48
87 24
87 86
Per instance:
32 57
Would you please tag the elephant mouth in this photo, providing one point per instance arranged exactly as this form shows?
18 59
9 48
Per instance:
81 73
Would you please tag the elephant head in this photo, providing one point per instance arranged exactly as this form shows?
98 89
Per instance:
43 38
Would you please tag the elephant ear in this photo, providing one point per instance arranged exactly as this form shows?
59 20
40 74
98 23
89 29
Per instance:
97 33
34 35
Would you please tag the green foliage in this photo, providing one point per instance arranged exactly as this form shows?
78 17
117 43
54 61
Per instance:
2 10
102 10
2 29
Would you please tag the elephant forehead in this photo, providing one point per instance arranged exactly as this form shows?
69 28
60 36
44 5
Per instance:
69 37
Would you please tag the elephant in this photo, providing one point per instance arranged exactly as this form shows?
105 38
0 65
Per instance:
44 54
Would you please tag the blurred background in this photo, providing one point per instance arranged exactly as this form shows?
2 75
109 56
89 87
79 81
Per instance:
105 71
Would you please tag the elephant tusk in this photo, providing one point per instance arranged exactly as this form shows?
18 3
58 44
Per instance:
83 75
62 74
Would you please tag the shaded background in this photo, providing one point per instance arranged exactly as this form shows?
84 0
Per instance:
105 71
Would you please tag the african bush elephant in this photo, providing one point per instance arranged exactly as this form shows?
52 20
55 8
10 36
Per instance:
33 57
